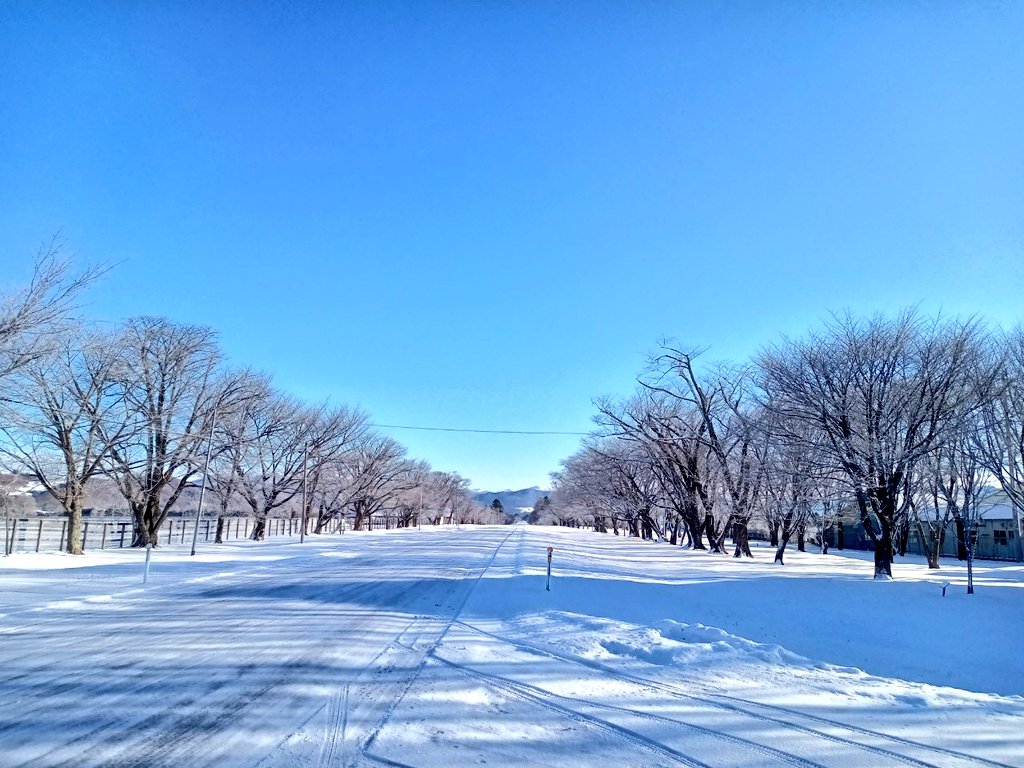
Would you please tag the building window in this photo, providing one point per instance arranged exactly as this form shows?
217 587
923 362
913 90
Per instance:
1001 537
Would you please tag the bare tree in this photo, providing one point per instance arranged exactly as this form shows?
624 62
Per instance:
581 492
249 393
334 434
172 392
273 454
31 318
448 489
792 483
723 402
377 470
875 397
672 436
999 441
63 415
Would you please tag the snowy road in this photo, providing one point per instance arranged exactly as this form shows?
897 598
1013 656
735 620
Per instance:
442 648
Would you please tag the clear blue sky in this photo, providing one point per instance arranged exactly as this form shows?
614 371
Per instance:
483 215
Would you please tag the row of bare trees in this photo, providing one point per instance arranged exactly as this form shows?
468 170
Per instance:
903 424
152 407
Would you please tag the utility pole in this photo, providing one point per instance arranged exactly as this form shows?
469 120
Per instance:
302 530
202 488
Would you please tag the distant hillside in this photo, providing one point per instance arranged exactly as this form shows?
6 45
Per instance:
512 501
23 495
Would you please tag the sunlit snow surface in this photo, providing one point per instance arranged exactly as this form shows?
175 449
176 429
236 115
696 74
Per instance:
442 647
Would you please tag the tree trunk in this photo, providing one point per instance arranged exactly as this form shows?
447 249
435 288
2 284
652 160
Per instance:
840 535
219 538
259 529
801 539
884 551
939 541
883 559
901 537
742 539
716 542
148 519
926 545
694 531
773 532
878 501
74 509
961 539
787 532
780 551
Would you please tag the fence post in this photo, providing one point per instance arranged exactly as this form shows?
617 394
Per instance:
206 533
85 535
184 527
63 530
246 528
39 535
170 530
120 544
103 538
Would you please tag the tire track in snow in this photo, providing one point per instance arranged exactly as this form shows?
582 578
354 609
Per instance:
732 704
410 593
337 710
100 645
171 723
364 748
569 708
181 729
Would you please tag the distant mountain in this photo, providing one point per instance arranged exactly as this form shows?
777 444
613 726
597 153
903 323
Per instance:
512 501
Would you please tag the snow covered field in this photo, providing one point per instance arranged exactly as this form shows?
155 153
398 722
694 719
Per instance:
442 648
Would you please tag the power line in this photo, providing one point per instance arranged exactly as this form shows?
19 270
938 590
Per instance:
477 431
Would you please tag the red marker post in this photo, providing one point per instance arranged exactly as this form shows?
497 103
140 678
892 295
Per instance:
550 551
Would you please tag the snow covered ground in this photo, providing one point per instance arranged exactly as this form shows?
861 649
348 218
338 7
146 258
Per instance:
441 648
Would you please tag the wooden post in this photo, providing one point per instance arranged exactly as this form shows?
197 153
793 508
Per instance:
206 533
39 535
120 543
85 535
63 530
170 530
184 525
103 538
246 528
